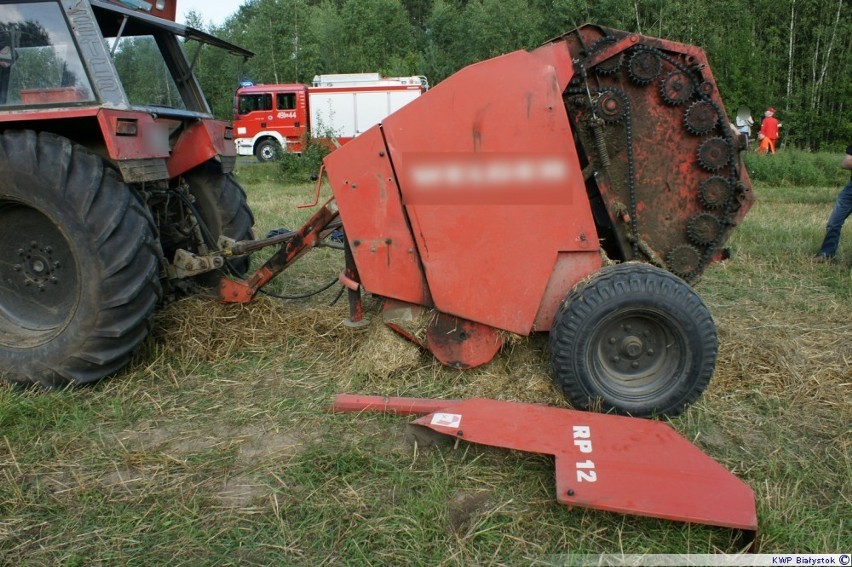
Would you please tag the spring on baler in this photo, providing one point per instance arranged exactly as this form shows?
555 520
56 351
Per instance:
597 125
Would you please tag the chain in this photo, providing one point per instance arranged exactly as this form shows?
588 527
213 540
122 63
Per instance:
727 211
728 208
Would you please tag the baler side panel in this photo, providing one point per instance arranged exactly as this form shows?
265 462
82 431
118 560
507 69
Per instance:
489 249
376 227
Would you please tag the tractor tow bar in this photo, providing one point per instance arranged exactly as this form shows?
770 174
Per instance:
293 245
604 462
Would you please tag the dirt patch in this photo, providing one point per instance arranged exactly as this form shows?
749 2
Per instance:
463 509
241 492
252 443
269 445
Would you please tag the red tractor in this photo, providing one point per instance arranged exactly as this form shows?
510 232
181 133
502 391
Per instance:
110 197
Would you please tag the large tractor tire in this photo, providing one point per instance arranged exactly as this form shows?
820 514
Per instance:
79 269
223 207
633 339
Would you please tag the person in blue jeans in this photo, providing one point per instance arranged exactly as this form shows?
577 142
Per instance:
842 210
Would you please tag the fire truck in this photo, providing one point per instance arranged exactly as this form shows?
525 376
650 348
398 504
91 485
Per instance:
271 119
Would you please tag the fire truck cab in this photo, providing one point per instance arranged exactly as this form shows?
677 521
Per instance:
271 119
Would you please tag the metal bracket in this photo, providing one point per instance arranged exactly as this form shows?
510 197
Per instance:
187 264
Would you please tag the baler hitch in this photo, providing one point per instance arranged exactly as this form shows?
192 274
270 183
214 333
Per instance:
293 245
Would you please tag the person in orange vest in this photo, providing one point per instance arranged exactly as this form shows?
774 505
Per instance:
768 132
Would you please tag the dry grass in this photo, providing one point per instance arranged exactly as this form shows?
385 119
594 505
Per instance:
214 447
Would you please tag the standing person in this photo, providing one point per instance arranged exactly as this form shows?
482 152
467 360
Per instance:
768 132
842 210
744 122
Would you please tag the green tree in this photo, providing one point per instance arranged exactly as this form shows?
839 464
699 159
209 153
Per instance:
789 54
377 35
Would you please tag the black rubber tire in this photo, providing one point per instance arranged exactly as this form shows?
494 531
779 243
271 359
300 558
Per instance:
268 150
223 206
80 278
634 339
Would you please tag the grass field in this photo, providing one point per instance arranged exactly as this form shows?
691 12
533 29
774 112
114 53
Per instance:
214 446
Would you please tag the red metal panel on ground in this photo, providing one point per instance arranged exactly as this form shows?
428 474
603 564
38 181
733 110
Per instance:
354 403
369 202
606 462
509 196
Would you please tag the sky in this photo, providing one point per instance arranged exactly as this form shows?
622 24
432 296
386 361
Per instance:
213 11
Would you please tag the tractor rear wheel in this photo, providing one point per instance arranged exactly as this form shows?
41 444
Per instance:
223 207
80 269
635 339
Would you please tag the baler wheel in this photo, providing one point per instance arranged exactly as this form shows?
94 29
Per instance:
82 259
223 207
633 339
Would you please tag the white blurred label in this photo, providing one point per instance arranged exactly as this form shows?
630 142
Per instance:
446 420
488 178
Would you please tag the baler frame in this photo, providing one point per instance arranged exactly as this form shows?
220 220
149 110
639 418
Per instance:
425 204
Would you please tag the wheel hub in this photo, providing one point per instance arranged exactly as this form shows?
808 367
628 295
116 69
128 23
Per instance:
632 351
632 347
33 304
37 265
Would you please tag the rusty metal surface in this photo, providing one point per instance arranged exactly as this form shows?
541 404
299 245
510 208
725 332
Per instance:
604 462
652 125
460 343
456 342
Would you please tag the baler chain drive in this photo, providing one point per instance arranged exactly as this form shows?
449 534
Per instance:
605 112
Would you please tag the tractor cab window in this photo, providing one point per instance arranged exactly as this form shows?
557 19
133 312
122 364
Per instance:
253 102
147 80
39 60
286 101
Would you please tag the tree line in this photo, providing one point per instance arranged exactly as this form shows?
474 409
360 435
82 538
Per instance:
788 54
